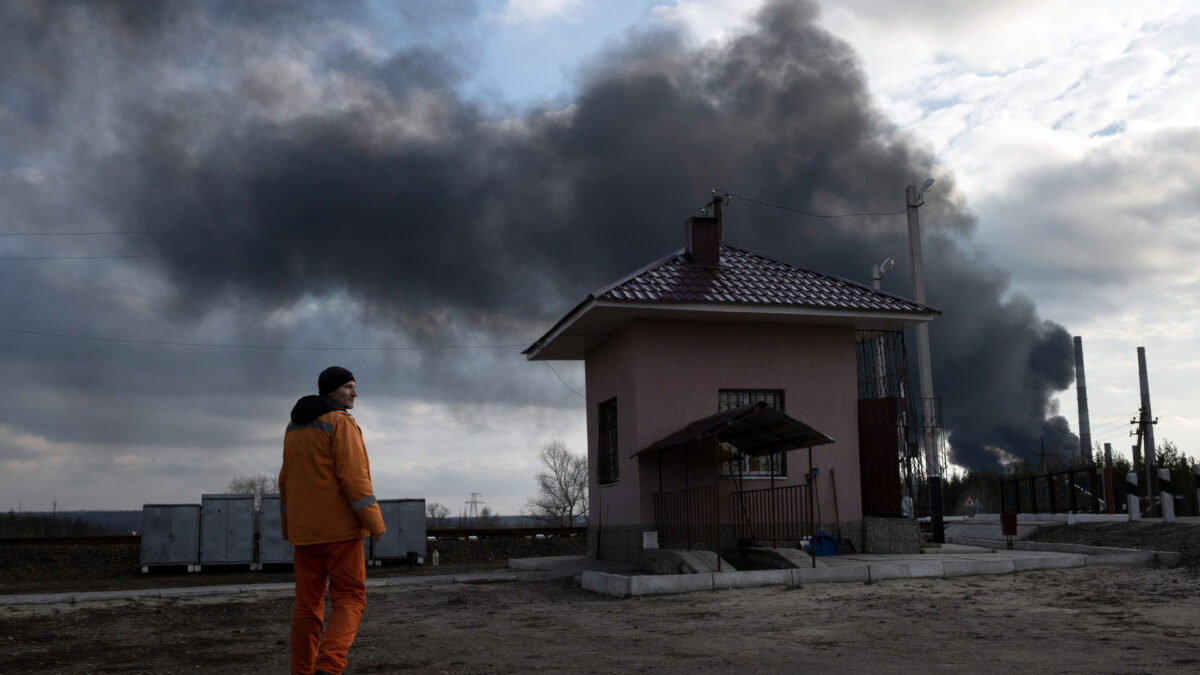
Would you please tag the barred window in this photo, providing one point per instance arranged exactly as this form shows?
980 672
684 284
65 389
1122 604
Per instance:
734 464
608 468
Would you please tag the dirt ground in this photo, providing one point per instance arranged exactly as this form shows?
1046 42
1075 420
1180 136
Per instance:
75 568
1095 620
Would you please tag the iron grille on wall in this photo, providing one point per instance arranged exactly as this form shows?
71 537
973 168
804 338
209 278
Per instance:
607 467
895 429
763 466
882 364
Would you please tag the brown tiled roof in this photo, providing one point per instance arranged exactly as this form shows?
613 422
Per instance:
744 277
744 285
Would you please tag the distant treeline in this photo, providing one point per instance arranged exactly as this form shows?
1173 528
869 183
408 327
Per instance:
68 523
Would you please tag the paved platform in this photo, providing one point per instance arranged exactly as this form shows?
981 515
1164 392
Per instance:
950 560
622 580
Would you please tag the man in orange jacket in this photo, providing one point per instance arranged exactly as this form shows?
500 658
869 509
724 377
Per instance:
327 506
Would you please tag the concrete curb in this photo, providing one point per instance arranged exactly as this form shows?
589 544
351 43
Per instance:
1098 555
1053 518
1042 556
623 586
751 578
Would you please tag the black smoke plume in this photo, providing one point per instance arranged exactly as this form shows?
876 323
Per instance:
301 164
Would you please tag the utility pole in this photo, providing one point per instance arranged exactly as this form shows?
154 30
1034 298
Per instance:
1146 425
877 273
933 467
1109 507
719 199
1042 455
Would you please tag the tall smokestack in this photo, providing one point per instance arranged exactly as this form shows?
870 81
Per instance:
1085 428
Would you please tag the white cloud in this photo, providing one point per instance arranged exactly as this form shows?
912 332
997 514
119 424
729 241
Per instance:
707 20
540 11
444 452
1098 228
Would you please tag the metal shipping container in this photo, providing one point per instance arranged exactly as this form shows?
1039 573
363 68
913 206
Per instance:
170 535
272 549
405 523
227 529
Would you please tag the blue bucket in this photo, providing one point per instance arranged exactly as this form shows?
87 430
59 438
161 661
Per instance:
824 544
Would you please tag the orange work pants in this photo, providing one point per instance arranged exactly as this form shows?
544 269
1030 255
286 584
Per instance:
341 566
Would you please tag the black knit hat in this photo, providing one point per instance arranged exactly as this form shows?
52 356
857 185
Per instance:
333 377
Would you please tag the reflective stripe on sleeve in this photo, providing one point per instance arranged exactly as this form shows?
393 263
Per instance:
363 503
318 424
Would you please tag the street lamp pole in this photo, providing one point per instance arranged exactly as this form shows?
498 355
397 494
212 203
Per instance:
933 468
877 272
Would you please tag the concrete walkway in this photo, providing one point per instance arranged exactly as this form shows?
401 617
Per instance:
622 580
950 560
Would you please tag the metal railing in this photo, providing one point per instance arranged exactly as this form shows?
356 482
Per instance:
1070 491
688 519
774 514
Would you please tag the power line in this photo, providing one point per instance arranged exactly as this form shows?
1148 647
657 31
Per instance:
207 345
564 383
90 257
213 345
117 256
295 228
1117 433
346 238
1114 423
1122 421
817 215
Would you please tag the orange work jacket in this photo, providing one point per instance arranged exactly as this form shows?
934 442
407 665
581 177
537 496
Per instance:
325 491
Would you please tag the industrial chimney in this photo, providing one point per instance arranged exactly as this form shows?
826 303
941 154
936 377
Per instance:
1085 428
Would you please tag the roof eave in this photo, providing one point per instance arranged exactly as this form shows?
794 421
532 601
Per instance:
532 351
551 341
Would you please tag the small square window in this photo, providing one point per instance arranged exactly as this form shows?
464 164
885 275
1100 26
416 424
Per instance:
608 468
733 463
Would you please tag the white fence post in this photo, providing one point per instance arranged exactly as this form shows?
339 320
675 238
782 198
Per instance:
1131 496
1167 494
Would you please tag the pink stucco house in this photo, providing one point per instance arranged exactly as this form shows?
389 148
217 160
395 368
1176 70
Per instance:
725 406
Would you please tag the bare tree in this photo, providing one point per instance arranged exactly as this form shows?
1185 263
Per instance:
257 485
438 513
487 518
562 486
